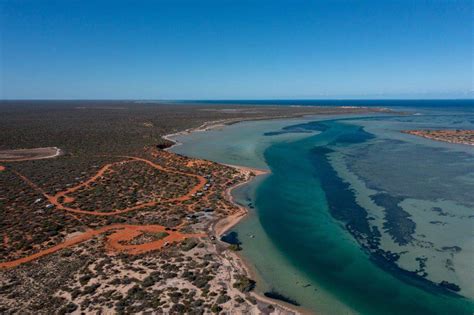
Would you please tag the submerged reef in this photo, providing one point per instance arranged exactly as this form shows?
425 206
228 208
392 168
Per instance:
343 206
397 221
277 296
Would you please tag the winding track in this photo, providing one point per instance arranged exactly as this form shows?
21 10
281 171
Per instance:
54 199
122 233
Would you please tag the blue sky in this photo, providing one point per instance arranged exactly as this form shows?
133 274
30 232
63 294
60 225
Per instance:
235 49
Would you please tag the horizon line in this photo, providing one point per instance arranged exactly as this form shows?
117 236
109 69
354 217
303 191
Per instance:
235 99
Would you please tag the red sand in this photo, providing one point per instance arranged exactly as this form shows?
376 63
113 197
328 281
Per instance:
122 233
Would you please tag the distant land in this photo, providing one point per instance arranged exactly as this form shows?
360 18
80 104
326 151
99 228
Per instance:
451 136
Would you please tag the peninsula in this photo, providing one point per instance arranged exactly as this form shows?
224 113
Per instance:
446 135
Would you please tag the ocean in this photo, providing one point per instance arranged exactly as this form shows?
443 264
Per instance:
356 217
452 104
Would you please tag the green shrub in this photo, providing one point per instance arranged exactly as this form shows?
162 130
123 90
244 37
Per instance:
222 299
216 308
244 284
234 247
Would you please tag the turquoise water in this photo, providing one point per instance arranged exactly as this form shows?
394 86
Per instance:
293 209
343 222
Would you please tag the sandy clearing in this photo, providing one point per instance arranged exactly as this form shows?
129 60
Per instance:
18 155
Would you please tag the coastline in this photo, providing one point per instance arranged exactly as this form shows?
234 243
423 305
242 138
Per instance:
214 124
232 220
203 127
219 123
222 225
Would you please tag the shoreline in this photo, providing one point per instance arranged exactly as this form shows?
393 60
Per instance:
214 124
234 219
208 125
229 222
219 123
222 225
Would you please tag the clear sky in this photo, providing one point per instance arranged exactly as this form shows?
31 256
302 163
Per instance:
235 49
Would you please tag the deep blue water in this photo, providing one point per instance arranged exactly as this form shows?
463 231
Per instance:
461 104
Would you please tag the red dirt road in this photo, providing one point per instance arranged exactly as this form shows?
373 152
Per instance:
122 233
54 199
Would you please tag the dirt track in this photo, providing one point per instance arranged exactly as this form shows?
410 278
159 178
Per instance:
54 199
122 233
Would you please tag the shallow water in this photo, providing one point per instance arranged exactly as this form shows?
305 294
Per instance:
343 200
